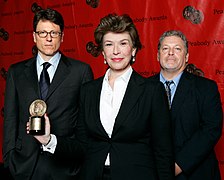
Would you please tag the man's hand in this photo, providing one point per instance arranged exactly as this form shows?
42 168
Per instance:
43 139
178 170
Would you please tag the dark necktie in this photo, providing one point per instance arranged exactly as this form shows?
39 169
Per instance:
168 91
44 80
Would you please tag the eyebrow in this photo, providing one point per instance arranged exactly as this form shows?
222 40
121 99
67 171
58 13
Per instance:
119 40
169 45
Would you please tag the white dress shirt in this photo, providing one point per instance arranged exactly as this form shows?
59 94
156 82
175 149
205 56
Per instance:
54 61
111 99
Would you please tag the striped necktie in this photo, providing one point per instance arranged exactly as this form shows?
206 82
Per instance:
44 80
168 91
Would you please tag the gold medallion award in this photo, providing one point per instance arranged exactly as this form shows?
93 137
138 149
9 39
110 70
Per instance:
37 122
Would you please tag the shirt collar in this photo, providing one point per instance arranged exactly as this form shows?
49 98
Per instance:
175 80
53 61
125 76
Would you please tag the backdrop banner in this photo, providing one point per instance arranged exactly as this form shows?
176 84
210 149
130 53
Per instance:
201 21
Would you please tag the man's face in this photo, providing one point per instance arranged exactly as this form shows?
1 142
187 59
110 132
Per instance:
47 46
172 55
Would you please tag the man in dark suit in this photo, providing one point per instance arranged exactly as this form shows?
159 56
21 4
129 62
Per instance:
23 154
195 109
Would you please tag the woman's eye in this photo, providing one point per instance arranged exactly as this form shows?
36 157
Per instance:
108 44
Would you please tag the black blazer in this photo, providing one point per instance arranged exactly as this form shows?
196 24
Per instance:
197 125
21 151
141 144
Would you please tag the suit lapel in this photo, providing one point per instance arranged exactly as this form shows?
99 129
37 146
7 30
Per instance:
183 87
61 73
96 94
181 93
31 74
134 90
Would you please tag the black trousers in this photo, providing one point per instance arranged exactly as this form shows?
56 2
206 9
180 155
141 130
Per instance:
41 171
106 173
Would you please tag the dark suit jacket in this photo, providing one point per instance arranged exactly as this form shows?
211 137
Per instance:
197 123
141 144
22 152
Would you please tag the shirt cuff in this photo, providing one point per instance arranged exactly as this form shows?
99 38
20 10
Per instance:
51 146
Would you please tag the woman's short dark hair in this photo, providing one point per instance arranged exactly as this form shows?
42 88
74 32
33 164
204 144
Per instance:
48 15
116 24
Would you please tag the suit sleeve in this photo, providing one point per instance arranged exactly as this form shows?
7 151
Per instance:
87 74
202 141
75 147
10 118
162 134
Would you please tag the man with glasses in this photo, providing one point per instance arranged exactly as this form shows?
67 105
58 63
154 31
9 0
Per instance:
56 79
196 110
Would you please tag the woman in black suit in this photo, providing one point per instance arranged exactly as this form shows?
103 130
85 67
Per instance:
124 122
124 117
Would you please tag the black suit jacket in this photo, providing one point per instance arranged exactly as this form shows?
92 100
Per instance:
197 123
141 144
22 152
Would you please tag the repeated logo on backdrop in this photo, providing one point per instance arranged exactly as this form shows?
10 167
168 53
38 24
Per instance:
4 34
91 48
35 7
3 73
193 15
93 3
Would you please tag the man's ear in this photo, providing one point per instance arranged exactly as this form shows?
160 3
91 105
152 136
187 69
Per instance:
186 57
34 37
158 56
62 37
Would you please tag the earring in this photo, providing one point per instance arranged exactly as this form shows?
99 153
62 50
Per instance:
133 59
105 62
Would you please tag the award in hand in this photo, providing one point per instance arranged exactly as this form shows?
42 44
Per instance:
37 121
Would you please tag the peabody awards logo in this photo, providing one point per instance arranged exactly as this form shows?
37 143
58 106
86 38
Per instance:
35 8
4 34
191 68
193 15
92 49
93 3
3 73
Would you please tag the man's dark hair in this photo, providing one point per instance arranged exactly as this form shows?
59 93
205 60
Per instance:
48 15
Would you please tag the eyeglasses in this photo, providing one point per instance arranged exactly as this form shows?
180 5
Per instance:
43 34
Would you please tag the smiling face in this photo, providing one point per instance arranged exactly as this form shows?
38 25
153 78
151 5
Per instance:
48 46
172 55
118 51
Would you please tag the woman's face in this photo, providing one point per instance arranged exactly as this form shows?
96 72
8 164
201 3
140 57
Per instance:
118 50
